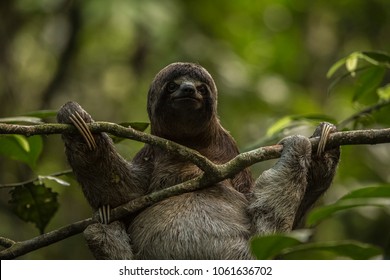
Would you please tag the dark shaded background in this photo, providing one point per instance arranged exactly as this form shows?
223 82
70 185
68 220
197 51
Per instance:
269 60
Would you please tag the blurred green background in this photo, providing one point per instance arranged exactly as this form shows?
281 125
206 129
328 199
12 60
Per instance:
269 59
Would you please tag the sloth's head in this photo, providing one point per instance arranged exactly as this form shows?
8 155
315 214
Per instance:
182 101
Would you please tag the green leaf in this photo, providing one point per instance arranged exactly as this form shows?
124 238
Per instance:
369 81
279 125
377 58
21 120
382 191
280 128
34 203
351 63
286 247
371 77
336 66
30 118
21 148
321 213
384 93
22 142
293 121
351 249
344 76
268 247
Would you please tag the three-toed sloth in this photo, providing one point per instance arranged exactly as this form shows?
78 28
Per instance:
213 223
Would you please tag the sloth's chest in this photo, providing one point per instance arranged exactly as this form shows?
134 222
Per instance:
193 225
167 173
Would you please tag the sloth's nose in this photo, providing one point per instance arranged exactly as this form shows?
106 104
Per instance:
187 89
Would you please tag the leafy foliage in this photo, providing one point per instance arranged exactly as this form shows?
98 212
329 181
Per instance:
34 203
270 246
358 198
351 62
286 247
21 148
372 71
282 246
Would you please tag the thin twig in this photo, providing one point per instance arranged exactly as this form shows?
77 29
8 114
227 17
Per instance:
366 111
56 174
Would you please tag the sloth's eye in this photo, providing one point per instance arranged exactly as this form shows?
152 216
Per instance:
202 89
172 86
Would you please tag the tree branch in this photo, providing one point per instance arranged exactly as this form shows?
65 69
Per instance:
16 249
212 173
20 248
126 132
355 137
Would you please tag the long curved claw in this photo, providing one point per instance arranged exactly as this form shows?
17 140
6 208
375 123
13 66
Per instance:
325 133
82 127
105 214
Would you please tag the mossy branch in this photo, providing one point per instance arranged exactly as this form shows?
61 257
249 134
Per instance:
213 173
355 137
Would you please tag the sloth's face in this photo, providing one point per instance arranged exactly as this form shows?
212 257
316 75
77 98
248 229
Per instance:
186 94
182 101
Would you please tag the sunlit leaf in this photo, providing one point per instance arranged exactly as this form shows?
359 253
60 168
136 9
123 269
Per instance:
384 93
336 66
279 125
268 247
292 121
282 126
351 64
56 179
351 61
34 203
22 142
21 148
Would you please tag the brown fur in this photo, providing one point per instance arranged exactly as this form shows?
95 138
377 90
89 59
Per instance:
214 223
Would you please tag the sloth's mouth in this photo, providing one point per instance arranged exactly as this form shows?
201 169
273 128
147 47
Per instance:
187 99
186 103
